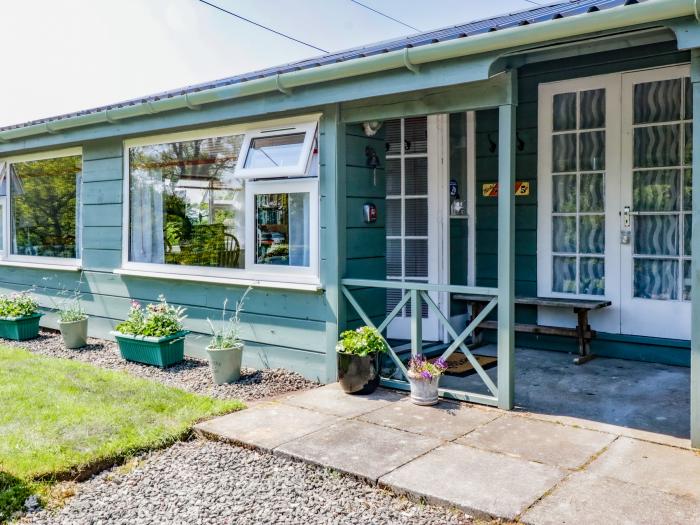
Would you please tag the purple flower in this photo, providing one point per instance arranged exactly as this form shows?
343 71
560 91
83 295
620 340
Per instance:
426 375
441 363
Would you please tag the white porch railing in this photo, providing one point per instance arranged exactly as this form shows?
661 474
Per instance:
416 293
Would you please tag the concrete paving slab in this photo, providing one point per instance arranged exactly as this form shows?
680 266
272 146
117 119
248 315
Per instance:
541 441
358 448
477 481
331 399
587 499
446 421
265 426
669 469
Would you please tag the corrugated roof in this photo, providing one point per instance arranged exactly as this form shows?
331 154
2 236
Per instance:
520 18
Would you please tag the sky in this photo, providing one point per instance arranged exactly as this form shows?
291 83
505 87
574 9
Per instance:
65 55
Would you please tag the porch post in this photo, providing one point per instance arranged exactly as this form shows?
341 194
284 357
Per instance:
506 249
332 234
416 323
695 264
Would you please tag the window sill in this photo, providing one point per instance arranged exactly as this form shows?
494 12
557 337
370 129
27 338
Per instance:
42 266
304 287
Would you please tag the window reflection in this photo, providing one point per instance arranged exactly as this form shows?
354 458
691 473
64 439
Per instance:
186 206
44 206
275 152
282 229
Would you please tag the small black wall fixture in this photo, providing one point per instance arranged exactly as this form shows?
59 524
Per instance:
519 143
492 145
372 159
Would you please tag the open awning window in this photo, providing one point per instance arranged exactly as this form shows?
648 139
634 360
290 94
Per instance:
277 152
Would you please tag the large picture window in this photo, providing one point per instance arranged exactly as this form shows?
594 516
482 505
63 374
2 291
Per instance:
186 205
40 208
192 212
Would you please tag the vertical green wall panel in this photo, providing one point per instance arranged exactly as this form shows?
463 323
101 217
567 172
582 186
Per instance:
365 256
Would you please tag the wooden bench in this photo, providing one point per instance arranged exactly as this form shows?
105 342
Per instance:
581 307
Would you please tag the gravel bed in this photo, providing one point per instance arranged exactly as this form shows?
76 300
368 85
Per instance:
192 375
205 482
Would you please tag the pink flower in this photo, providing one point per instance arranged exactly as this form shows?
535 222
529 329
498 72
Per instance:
135 305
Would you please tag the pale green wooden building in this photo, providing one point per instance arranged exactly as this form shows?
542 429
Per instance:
361 184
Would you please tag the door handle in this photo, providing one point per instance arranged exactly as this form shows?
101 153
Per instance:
626 232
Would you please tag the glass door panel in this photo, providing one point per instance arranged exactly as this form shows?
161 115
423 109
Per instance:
408 222
578 193
656 197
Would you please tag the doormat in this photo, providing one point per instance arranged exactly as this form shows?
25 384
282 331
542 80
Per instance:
459 366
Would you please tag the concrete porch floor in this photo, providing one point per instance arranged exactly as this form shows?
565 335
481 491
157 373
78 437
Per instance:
645 400
535 467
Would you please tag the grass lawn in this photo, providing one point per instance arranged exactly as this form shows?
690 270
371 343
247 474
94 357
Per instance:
59 418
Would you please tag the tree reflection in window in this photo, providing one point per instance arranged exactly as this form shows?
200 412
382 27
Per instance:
186 208
44 206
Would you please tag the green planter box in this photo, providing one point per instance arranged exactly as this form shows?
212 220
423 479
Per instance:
157 351
20 328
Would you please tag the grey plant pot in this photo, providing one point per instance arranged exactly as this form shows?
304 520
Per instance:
424 392
225 364
74 333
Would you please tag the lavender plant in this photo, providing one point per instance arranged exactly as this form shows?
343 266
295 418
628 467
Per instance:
420 368
228 334
69 306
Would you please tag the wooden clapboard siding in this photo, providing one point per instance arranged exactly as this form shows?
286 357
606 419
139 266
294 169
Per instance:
529 78
281 328
365 243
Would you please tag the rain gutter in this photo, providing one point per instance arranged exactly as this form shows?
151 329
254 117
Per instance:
410 58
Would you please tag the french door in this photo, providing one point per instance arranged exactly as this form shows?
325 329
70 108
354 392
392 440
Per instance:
655 202
614 199
412 222
578 197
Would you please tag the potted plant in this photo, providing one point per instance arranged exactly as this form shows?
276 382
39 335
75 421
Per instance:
225 350
153 335
424 376
72 320
19 316
358 360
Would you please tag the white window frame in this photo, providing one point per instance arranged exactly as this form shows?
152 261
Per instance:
300 185
37 261
300 169
247 275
